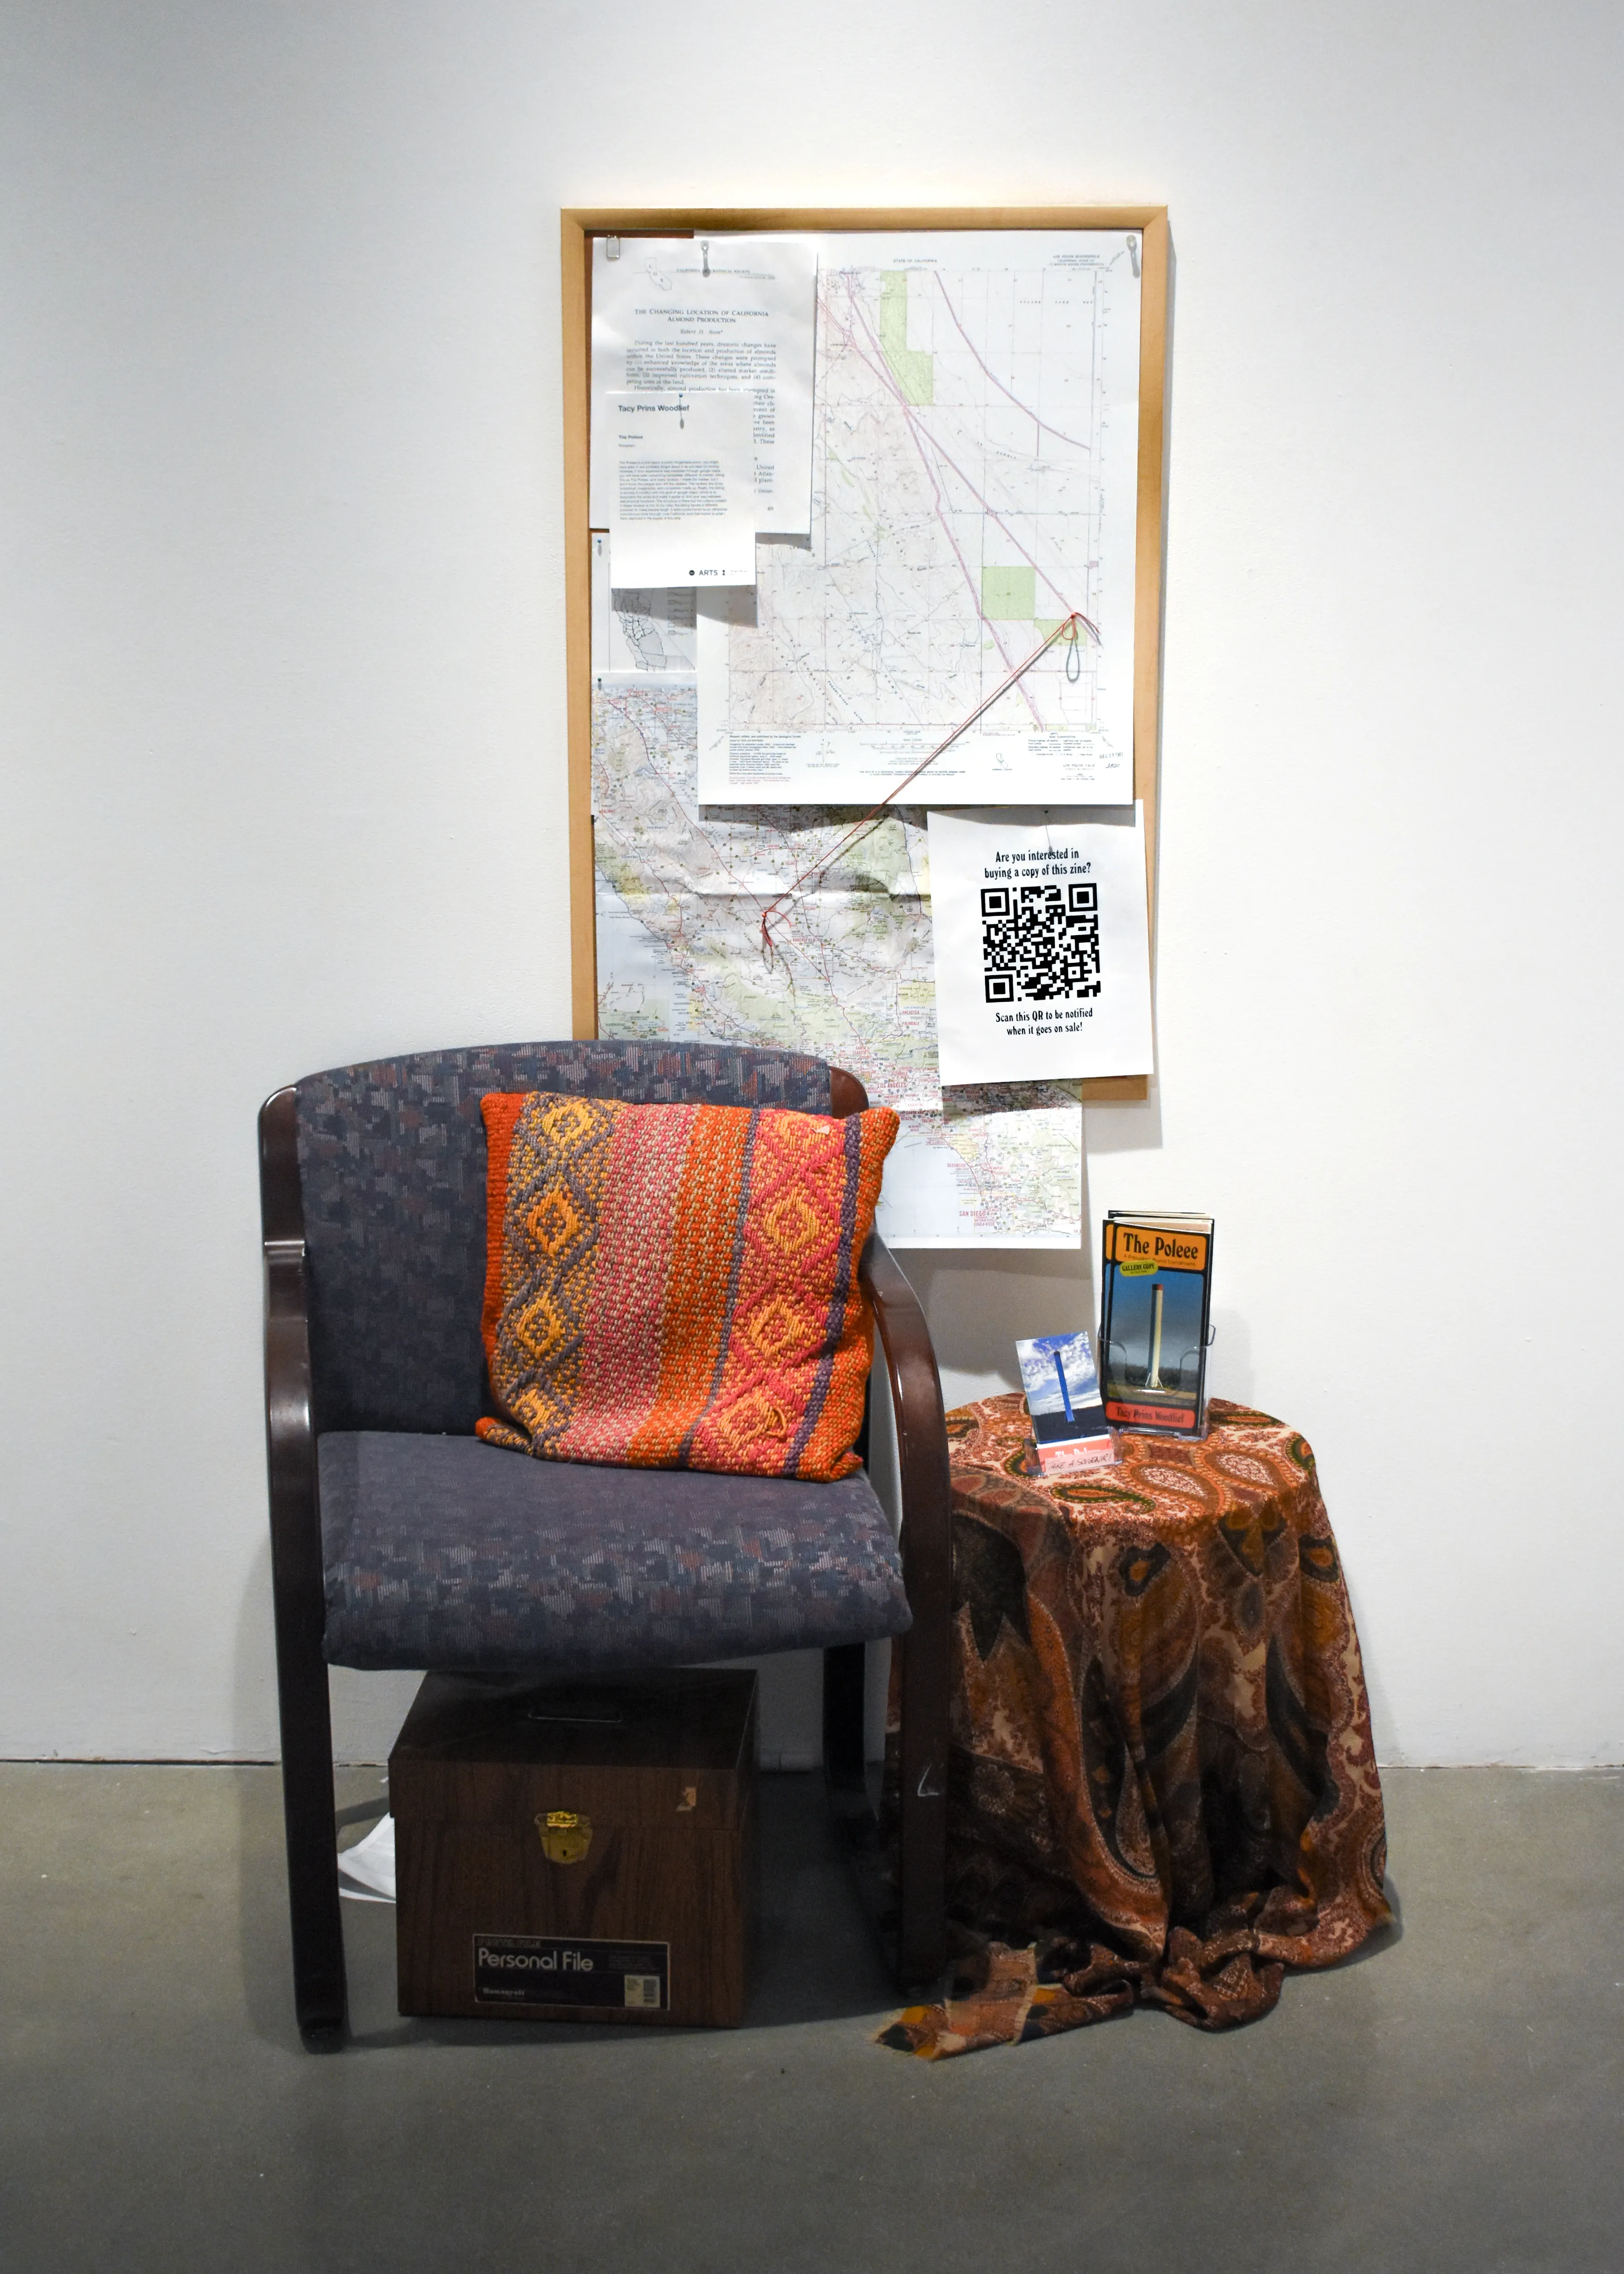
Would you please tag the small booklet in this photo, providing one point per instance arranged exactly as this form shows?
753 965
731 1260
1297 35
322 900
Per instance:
1068 1424
1155 1295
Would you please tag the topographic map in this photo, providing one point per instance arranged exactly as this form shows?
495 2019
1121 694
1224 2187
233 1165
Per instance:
679 899
975 438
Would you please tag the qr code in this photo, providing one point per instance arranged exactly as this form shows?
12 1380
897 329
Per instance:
642 1988
1040 942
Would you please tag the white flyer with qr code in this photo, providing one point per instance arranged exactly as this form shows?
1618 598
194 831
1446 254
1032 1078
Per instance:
1042 944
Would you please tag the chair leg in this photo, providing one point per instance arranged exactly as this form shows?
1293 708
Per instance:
908 1912
319 1986
925 1674
921 1828
297 1594
846 1783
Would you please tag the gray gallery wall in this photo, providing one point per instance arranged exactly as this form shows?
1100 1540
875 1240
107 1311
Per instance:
281 612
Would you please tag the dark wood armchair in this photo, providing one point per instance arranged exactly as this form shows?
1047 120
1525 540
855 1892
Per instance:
372 1186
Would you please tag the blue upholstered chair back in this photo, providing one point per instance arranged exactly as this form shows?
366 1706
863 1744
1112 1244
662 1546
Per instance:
392 1165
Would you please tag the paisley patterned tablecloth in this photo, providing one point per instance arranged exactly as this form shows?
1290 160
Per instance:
1162 1789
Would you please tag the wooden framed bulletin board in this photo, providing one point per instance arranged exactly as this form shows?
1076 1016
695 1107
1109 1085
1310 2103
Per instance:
580 226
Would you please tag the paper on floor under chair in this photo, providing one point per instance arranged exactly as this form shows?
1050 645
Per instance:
371 1864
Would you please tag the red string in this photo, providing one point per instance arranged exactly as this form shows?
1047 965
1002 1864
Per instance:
872 818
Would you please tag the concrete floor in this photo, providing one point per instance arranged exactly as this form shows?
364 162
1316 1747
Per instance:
1453 2100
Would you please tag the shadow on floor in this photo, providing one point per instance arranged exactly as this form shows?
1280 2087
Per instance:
816 1959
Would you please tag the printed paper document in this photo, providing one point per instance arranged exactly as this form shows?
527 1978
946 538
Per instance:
713 313
681 508
1042 944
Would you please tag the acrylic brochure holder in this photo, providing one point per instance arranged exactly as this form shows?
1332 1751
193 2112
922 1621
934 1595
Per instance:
1156 1321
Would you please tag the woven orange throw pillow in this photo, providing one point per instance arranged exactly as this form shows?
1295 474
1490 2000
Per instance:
675 1287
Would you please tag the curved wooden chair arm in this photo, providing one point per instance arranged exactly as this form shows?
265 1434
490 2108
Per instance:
297 1580
927 1571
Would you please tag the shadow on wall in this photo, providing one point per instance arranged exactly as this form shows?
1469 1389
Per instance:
978 1305
1229 1365
1124 1128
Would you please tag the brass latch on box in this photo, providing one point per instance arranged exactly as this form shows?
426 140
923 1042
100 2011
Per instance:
566 1836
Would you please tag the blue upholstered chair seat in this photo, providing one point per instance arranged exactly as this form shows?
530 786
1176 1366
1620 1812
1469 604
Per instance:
446 1552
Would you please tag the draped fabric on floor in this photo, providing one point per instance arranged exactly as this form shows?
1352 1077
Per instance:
1162 1789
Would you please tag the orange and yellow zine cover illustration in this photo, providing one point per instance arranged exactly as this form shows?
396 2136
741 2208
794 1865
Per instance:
1155 1301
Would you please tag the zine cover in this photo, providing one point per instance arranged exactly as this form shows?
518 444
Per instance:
1063 1401
1155 1295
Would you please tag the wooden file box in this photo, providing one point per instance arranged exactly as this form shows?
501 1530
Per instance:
583 1855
